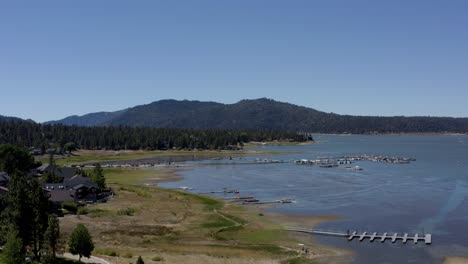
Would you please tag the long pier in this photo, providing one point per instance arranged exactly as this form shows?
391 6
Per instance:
427 238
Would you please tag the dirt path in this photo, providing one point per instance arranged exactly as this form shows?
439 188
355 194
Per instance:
93 260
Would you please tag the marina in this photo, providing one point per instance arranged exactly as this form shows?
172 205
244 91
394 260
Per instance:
333 162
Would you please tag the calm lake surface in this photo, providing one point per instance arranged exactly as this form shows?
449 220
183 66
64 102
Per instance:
428 195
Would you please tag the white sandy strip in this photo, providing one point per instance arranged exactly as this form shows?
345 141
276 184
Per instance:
92 259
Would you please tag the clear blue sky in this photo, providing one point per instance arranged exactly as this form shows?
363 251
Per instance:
391 57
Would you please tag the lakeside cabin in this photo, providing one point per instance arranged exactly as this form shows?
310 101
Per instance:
77 189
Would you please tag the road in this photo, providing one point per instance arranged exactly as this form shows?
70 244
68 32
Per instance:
93 260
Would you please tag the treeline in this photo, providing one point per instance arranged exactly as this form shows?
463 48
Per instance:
30 134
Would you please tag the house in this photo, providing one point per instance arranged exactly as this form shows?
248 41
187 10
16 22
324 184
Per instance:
46 168
78 188
58 196
61 172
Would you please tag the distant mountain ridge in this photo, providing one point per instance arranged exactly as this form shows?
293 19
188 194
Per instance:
13 119
261 114
92 119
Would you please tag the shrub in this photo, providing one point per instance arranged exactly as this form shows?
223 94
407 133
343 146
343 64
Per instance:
70 206
129 211
140 260
157 258
82 211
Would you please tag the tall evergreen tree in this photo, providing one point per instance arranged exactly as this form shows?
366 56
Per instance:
19 209
80 242
98 177
51 236
13 250
40 208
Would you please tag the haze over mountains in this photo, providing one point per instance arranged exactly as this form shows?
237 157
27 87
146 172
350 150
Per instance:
260 114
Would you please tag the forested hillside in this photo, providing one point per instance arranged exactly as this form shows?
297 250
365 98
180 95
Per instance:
263 114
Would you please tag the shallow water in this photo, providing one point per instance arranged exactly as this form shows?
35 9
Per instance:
428 195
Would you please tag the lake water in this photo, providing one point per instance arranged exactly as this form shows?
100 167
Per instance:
429 195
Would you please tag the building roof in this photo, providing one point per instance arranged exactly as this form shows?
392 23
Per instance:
61 195
53 186
46 167
79 180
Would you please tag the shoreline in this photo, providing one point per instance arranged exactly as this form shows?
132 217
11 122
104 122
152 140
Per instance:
83 157
394 134
319 252
255 214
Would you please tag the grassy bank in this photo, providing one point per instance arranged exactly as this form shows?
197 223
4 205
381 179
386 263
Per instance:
168 226
86 156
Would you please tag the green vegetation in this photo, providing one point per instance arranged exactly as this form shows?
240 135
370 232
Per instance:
13 159
70 206
80 242
127 211
13 252
299 260
211 204
134 176
31 134
51 236
140 260
217 222
97 176
267 114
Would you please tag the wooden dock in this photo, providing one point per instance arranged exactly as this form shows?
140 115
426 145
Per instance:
427 238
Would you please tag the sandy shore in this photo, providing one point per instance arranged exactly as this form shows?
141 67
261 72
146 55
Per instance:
319 252
456 260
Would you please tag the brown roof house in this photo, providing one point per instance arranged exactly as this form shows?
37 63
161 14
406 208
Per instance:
77 189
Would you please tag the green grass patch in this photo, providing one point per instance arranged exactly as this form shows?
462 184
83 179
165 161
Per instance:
129 211
263 236
298 260
216 221
88 157
131 176
140 191
210 203
272 249
235 218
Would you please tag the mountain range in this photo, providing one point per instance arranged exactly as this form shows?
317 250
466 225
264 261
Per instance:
261 114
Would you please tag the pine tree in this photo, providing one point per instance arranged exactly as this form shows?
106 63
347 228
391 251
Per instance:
19 210
40 208
98 177
140 260
80 242
13 250
51 236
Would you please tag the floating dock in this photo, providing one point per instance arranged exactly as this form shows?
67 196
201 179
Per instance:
393 237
